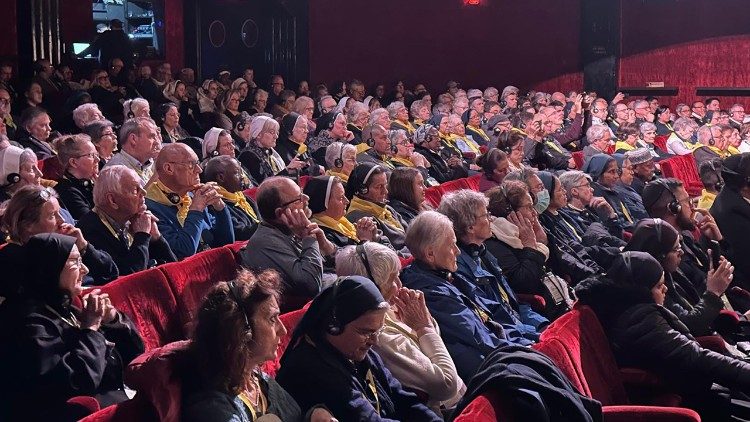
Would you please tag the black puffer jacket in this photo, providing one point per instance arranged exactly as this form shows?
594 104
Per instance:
648 336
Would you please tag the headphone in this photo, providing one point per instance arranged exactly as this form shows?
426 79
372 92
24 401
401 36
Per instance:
362 253
214 153
235 296
13 178
711 141
626 258
719 185
240 125
333 327
172 197
363 190
130 114
339 162
394 147
503 104
673 206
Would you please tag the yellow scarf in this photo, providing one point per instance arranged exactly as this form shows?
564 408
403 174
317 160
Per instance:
521 131
407 126
732 150
341 176
362 147
405 161
706 200
623 145
157 192
454 139
341 225
418 122
480 131
380 212
553 145
301 149
239 200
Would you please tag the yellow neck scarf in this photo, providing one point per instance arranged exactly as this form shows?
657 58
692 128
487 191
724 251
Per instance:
407 126
480 131
623 145
380 212
341 225
301 149
239 200
732 150
341 176
405 161
157 192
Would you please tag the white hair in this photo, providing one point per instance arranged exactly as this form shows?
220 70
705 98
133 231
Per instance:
334 152
130 108
427 230
415 106
596 132
571 179
375 115
461 207
683 123
82 114
261 124
473 93
354 110
510 89
393 108
489 92
646 126
110 181
382 262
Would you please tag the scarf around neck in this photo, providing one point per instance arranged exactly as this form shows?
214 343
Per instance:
507 232
379 211
157 192
342 225
239 200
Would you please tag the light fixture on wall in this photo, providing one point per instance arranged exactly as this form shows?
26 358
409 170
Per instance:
472 2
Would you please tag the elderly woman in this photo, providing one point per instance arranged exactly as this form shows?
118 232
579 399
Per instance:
494 165
217 142
629 197
420 111
104 138
291 143
466 324
627 138
629 304
647 134
695 308
457 139
105 95
472 120
514 148
34 210
329 360
328 204
53 350
35 123
171 131
406 193
260 102
429 145
85 114
207 95
340 160
356 118
80 163
331 127
259 157
472 226
605 173
18 168
230 103
518 243
137 107
405 156
367 189
410 344
399 116
237 330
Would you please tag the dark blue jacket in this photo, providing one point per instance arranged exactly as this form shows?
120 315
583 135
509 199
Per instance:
466 336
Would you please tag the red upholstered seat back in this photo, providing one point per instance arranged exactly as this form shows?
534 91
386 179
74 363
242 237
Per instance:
578 157
147 299
251 192
235 248
577 344
661 142
684 168
487 407
290 321
472 182
432 195
137 409
192 278
51 168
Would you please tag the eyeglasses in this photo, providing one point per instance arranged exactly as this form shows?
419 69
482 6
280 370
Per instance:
189 164
301 198
585 185
371 335
93 155
75 262
5 101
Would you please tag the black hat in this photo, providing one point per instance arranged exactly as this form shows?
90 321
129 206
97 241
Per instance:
638 269
735 170
654 236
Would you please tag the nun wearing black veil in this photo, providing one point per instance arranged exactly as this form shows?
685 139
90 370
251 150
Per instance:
52 350
330 360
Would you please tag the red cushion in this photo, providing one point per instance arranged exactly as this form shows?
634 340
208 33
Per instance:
192 278
136 409
405 261
661 142
536 302
152 374
487 407
251 192
578 157
235 248
147 299
432 195
649 414
473 181
290 321
51 168
684 168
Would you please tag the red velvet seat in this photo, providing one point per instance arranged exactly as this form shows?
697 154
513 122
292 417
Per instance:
432 195
236 248
290 321
51 168
488 407
472 182
578 159
684 168
137 409
192 278
661 142
147 298
251 192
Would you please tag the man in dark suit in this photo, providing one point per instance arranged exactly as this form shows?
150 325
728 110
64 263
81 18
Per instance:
110 44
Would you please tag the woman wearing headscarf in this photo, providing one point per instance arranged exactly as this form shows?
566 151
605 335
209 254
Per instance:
410 344
629 197
53 350
291 144
628 303
605 173
696 309
331 127
207 94
217 142
367 189
330 360
473 127
259 157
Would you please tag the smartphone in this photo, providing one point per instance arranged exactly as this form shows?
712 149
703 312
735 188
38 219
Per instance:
715 253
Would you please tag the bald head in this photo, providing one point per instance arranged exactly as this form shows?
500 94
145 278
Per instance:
273 193
174 152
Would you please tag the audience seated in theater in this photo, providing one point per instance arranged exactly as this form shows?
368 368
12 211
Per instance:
120 224
18 168
260 102
6 116
140 142
381 148
35 132
228 175
32 97
710 174
643 166
357 117
406 193
711 145
565 129
230 103
464 317
646 136
103 137
696 309
341 158
52 349
292 148
518 243
80 163
410 344
33 210
495 166
241 85
623 187
85 114
428 144
330 360
259 157
107 96
472 225
605 173
330 127
286 241
663 120
171 131
732 213
136 107
540 148
191 216
586 209
238 329
207 95
646 335
472 120
627 137
285 104
367 190
680 142
217 142
399 115
497 128
404 155
419 111
732 139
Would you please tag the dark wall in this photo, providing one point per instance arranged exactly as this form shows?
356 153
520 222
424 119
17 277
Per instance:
524 43
686 43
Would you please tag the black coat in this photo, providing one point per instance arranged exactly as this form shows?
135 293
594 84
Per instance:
406 212
143 253
439 169
76 195
41 149
732 214
244 225
697 311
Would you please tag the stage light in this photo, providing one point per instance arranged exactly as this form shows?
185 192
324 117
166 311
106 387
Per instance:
472 2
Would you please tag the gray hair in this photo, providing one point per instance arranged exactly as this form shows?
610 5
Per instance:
596 132
110 181
473 93
354 110
572 179
395 135
704 133
133 126
489 92
393 108
736 107
646 126
428 229
522 175
82 114
679 106
683 123
638 103
461 207
510 89
415 106
375 115
337 150
133 106
382 261
96 128
441 108
259 93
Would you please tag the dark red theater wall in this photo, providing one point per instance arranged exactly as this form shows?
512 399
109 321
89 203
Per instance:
523 43
686 43
76 21
9 37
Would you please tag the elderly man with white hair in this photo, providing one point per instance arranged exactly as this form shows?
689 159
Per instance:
599 138
120 224
140 142
137 107
191 216
85 114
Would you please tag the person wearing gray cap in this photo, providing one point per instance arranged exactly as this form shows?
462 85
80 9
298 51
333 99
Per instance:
644 169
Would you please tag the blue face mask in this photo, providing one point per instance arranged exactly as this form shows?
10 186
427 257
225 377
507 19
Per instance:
542 201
